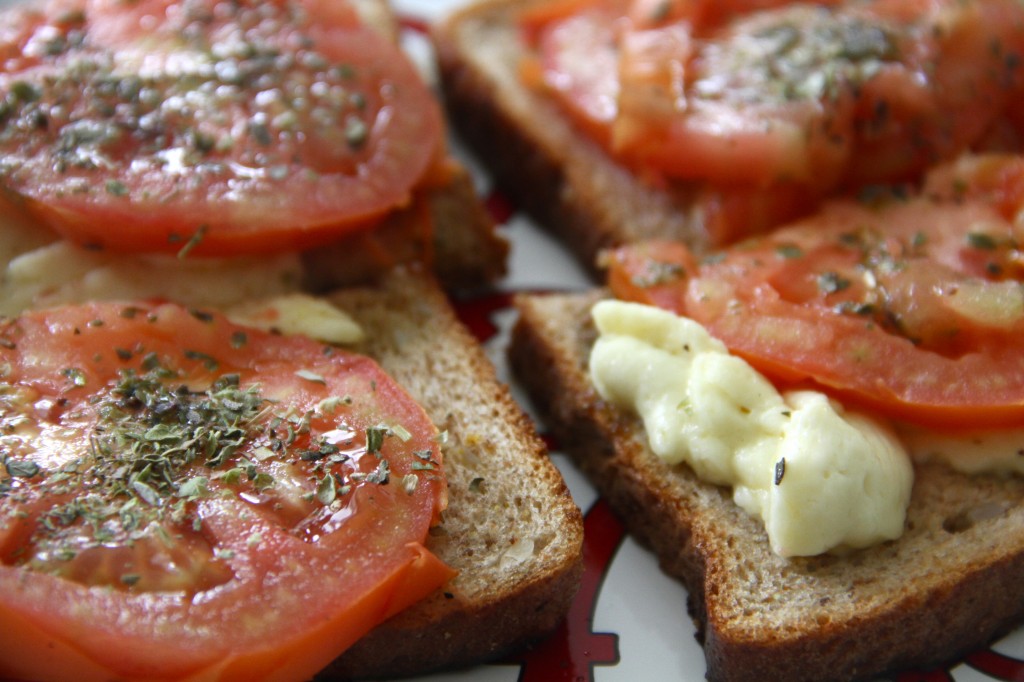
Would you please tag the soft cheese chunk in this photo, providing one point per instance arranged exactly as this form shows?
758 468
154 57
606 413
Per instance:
59 273
298 313
997 451
259 291
821 478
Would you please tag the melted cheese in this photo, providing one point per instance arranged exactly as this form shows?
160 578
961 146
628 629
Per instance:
297 313
60 273
998 451
820 477
38 272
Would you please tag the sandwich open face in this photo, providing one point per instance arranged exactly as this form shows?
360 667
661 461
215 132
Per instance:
247 525
818 431
184 496
613 121
884 301
191 129
208 473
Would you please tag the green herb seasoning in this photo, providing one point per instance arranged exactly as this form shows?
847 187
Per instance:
157 446
832 282
802 53
780 471
173 120
788 251
980 240
656 273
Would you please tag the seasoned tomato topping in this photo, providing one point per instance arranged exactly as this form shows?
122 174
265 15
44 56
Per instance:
211 497
221 127
758 98
910 305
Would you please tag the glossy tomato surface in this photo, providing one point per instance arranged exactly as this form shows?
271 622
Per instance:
910 305
777 104
217 127
181 497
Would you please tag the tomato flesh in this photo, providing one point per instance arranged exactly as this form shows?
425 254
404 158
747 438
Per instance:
226 128
182 497
911 306
756 96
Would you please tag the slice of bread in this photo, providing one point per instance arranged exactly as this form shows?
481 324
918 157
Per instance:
947 586
511 528
565 181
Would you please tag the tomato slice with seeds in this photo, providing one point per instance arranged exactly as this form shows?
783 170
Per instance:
910 306
224 128
184 498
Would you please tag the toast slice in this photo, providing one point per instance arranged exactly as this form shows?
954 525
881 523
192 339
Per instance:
947 586
561 178
511 528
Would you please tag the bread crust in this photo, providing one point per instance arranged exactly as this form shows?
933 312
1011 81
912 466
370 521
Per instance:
944 589
562 179
445 226
511 527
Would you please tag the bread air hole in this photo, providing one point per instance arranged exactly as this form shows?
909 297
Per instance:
968 518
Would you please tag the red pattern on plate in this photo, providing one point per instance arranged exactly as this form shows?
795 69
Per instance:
571 653
413 24
477 313
997 665
498 205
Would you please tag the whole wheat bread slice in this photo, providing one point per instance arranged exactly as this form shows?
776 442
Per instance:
565 181
511 528
947 586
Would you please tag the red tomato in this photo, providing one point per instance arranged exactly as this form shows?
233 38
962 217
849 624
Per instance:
579 59
183 498
232 128
996 179
703 15
749 96
913 307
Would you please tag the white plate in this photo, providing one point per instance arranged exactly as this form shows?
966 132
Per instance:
630 621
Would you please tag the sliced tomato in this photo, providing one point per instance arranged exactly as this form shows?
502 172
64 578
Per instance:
184 498
995 179
223 128
579 62
957 71
729 213
913 307
755 95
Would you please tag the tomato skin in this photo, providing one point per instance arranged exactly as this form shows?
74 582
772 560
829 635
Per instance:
274 126
301 579
911 308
